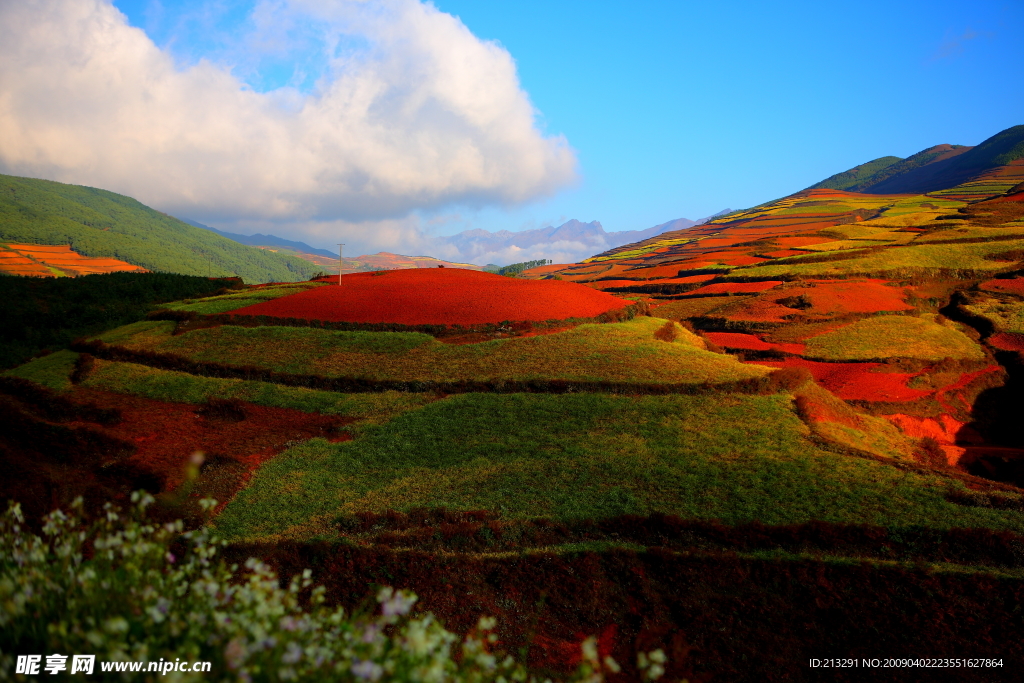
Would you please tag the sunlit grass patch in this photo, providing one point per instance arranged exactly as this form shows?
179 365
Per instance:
622 352
894 336
691 308
165 385
52 371
247 297
971 232
1007 316
147 334
845 244
731 457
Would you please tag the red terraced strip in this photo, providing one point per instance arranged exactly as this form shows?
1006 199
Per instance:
857 381
735 288
1014 286
1007 341
784 253
736 340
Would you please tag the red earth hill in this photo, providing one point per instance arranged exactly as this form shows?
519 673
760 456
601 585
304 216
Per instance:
439 296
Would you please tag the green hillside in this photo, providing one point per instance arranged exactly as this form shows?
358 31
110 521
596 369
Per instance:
104 224
856 175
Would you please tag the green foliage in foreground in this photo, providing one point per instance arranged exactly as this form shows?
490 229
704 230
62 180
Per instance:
133 600
101 223
735 458
894 336
626 352
165 385
48 313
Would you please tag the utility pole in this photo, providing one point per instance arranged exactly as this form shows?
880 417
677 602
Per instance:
341 263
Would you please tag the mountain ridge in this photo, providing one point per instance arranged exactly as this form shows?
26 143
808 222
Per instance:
104 224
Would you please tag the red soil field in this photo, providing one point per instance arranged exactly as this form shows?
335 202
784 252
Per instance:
688 280
856 381
853 296
670 270
1007 341
1014 286
167 434
760 310
735 288
943 429
750 342
783 253
737 340
439 296
60 257
605 284
803 240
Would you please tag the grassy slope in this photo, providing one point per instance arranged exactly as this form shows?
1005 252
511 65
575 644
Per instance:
229 302
624 352
894 336
1004 314
164 385
100 223
857 174
728 457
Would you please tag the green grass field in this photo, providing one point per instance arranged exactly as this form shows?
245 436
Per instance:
1006 315
229 302
52 371
621 352
894 336
730 457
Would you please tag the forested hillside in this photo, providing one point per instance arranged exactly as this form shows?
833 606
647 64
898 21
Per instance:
104 224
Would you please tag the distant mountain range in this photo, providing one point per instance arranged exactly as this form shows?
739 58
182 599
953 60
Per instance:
935 168
568 242
573 235
259 240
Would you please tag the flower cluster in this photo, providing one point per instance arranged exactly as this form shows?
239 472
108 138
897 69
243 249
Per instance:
115 589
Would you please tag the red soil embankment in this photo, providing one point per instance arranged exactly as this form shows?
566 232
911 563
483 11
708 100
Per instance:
856 381
750 342
439 296
735 288
1007 341
1014 286
167 434
854 296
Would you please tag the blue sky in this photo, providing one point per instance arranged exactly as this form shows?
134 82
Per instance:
670 109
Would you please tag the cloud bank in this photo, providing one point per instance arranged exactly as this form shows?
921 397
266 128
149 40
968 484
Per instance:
412 112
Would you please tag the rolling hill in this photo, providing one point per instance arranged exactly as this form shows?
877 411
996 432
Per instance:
101 224
936 168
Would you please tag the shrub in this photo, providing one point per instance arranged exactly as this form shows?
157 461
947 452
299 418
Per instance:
131 591
226 409
667 332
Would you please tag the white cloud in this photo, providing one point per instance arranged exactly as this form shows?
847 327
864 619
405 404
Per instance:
414 113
